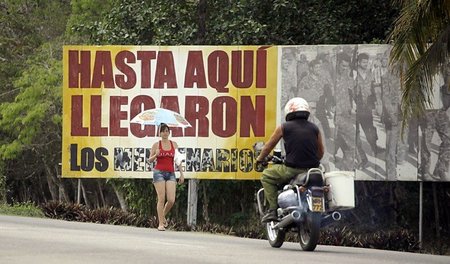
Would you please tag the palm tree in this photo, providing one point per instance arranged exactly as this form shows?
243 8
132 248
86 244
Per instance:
420 41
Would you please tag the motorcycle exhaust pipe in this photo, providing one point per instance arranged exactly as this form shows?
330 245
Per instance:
331 218
294 216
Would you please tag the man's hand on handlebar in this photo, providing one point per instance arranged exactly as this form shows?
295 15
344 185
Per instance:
262 164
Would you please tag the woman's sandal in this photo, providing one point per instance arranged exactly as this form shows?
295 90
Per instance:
161 228
165 223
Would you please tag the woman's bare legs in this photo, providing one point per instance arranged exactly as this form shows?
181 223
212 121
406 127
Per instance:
164 189
160 206
170 194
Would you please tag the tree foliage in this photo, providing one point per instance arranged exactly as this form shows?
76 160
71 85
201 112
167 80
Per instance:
32 122
421 39
34 118
25 79
250 22
24 26
135 22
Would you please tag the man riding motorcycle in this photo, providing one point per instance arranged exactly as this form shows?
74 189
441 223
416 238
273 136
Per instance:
303 146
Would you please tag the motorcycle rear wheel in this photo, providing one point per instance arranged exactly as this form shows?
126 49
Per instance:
309 231
275 236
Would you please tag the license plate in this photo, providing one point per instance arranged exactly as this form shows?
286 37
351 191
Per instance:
317 204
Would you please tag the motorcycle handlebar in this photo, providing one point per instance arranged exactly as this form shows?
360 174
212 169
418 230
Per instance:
273 159
260 166
277 160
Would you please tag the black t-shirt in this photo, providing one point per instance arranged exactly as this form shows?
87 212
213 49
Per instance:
301 144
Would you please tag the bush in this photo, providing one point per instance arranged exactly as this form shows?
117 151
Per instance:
79 212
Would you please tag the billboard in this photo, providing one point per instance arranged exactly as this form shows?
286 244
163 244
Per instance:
234 97
228 94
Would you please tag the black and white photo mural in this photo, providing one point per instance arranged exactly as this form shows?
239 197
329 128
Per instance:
434 131
355 101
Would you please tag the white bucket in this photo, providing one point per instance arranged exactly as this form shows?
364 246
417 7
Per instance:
342 190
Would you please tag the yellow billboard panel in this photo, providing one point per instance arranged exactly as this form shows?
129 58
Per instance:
228 94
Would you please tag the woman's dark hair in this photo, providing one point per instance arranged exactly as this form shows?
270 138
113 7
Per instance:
163 127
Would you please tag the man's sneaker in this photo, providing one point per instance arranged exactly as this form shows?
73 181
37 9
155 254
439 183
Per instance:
271 215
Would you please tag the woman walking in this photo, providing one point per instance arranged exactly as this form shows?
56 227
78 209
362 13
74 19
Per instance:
164 178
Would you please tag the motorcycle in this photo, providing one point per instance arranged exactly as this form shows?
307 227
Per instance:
303 207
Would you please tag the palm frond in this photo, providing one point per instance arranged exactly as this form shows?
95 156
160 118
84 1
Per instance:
421 43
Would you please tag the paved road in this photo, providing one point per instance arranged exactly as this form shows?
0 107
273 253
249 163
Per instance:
35 240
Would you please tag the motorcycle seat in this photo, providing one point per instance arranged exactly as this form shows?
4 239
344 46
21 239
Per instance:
313 177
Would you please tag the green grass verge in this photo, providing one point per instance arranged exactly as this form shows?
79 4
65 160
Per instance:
23 209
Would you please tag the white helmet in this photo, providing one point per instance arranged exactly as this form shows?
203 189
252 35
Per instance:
296 107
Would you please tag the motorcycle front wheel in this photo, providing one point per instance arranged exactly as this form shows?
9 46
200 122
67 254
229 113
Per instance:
275 236
309 231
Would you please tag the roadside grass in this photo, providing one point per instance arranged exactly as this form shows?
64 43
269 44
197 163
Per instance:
22 209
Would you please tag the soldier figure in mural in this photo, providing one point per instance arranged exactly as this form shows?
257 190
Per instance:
396 148
302 66
437 121
344 119
365 103
289 79
317 91
327 67
378 70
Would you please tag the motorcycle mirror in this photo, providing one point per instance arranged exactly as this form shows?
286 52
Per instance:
258 146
